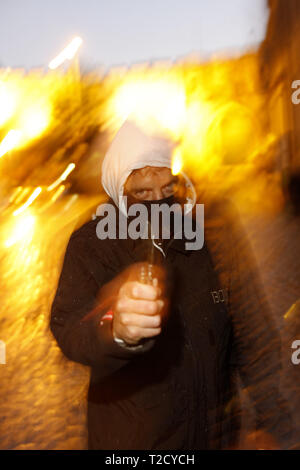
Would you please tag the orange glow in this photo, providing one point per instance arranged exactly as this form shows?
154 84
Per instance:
34 120
158 97
8 101
23 230
176 162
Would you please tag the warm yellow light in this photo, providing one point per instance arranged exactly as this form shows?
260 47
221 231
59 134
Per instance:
62 177
23 230
67 53
34 120
176 162
8 101
10 141
29 201
163 99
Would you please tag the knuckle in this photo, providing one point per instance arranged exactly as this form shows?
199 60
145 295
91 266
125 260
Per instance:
148 307
124 320
133 331
135 289
119 304
152 307
156 331
156 321
122 289
154 292
149 292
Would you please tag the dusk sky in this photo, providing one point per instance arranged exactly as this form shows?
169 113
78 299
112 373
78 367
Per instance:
116 32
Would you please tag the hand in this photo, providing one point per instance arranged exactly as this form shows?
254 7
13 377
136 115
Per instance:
137 312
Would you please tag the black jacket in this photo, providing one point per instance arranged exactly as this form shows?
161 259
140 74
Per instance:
177 391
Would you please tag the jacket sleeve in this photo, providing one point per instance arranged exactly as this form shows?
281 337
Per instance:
77 310
257 344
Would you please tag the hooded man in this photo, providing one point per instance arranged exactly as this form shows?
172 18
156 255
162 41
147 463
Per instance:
164 348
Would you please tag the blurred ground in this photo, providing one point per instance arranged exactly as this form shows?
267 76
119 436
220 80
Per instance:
276 244
42 394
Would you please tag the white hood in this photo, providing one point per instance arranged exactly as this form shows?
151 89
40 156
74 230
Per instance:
133 147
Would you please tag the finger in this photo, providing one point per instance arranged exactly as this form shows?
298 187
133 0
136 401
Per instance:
141 321
135 333
138 290
145 307
149 332
143 333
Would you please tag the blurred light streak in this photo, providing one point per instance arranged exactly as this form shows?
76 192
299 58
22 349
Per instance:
29 201
71 201
10 141
62 177
67 53
16 192
22 193
58 192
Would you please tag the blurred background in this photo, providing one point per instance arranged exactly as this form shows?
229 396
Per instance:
222 77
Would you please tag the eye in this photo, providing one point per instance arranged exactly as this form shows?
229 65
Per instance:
143 194
170 189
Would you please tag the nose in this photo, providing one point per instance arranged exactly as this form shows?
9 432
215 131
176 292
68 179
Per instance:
157 194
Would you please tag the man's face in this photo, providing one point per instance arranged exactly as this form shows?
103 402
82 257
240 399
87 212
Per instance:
150 183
